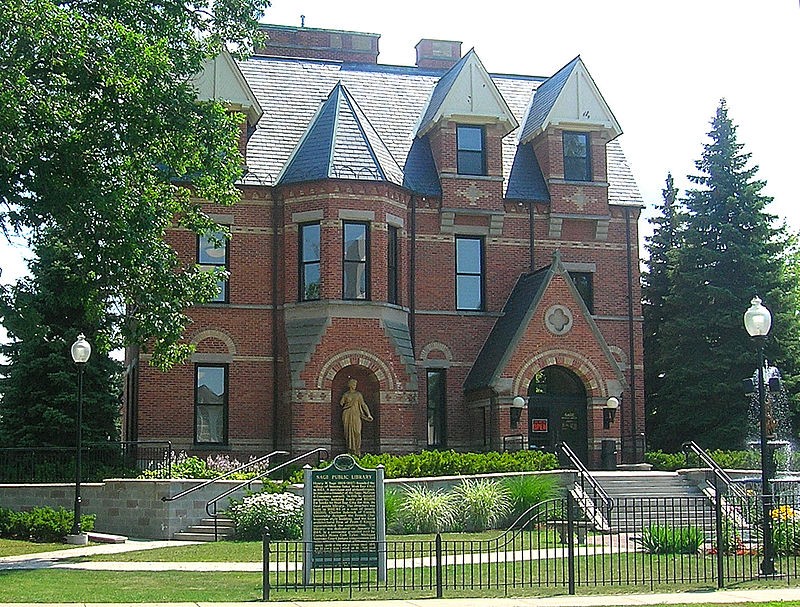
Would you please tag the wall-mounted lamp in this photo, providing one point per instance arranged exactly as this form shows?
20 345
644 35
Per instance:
610 412
517 406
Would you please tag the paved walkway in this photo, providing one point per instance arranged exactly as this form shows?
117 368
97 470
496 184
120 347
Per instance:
57 558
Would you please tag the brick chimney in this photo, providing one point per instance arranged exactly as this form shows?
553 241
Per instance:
438 54
313 43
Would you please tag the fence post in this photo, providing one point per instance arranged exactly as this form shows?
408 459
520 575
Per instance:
570 541
721 547
439 565
265 565
169 455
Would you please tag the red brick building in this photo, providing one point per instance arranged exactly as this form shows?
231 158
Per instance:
450 238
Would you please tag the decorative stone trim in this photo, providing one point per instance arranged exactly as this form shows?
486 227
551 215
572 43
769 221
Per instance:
306 216
439 347
355 215
558 319
215 334
578 364
383 373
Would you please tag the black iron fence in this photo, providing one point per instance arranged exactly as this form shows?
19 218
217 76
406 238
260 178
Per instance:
98 461
652 543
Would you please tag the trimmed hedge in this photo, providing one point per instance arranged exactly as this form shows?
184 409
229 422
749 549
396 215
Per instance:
41 524
749 459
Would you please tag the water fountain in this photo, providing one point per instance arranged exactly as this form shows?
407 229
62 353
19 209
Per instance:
778 430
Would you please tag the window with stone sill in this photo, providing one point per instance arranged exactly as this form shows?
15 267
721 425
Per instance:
212 254
470 273
211 404
471 146
355 260
577 156
309 261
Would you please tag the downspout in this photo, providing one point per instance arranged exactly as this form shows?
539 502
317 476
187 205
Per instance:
412 271
275 367
530 235
631 342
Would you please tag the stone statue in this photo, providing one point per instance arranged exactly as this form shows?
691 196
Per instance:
354 409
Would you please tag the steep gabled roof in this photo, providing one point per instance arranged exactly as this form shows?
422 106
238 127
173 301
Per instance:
510 328
569 98
466 91
222 80
340 142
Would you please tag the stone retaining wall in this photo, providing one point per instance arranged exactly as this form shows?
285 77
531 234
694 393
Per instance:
131 507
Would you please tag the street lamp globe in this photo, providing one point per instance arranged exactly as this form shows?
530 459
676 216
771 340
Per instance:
81 350
757 319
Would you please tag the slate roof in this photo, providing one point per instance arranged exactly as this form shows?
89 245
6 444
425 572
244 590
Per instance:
443 87
340 142
546 95
392 100
523 299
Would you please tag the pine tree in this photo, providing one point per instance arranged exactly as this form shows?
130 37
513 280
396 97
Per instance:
43 314
662 248
730 251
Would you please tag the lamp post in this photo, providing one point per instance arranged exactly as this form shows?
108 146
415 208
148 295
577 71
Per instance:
757 321
610 412
81 350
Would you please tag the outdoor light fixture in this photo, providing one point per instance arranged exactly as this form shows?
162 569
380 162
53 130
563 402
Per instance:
610 412
517 406
757 322
81 351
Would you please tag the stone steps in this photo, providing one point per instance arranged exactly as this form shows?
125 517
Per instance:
204 531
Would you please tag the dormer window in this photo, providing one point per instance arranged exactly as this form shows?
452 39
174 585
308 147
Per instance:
471 145
577 159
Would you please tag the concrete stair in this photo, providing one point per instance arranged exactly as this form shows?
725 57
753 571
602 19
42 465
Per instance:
204 531
643 498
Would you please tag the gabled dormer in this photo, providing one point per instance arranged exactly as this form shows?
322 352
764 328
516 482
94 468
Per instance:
222 80
465 120
568 126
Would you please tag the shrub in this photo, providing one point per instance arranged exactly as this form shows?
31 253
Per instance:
191 466
42 524
392 506
664 539
279 513
427 511
482 504
530 489
667 462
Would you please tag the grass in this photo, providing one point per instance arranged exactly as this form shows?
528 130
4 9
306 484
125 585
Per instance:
60 586
19 547
251 552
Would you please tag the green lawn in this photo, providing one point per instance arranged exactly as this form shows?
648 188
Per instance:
60 586
251 552
18 547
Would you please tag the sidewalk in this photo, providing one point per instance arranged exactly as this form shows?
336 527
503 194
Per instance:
602 600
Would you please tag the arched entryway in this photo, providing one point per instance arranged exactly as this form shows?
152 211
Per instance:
370 388
557 411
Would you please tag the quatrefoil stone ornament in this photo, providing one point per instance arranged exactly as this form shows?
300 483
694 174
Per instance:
558 319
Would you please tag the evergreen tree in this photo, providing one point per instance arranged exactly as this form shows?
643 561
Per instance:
730 251
43 314
661 247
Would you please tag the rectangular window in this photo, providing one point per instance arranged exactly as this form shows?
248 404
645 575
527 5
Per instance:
355 261
393 258
577 157
211 404
212 253
436 408
309 261
583 282
471 150
469 273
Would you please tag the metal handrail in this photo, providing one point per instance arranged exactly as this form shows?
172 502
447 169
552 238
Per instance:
585 478
248 482
167 498
718 471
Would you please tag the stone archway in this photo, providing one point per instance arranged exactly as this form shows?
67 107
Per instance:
370 388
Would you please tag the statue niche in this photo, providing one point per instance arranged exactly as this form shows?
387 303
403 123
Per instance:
355 395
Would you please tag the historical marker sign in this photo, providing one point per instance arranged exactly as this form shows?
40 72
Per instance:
344 525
